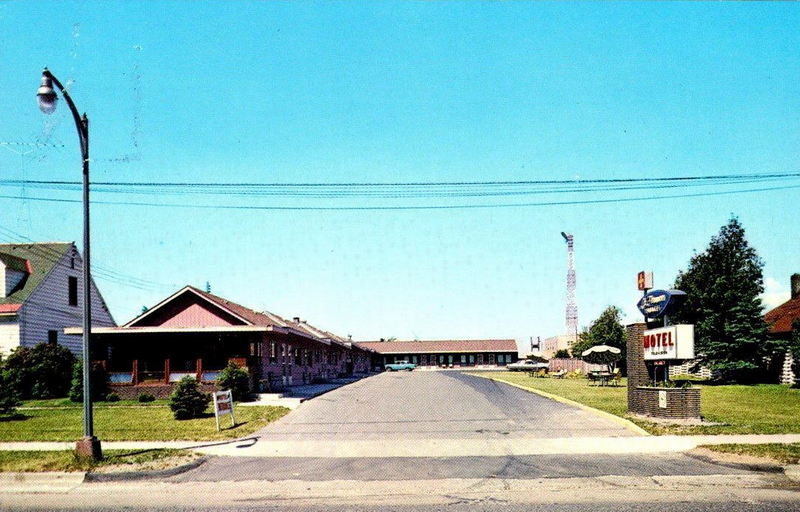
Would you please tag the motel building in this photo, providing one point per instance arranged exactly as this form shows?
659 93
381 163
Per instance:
194 333
435 354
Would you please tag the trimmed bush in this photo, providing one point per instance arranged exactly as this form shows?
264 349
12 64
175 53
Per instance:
99 380
146 397
236 379
112 397
39 372
187 401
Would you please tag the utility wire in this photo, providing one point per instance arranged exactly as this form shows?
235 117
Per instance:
405 207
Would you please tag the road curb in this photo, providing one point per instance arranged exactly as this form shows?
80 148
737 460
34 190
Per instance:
145 475
792 471
633 427
48 481
763 467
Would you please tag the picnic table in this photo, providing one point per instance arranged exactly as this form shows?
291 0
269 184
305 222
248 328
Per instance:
601 378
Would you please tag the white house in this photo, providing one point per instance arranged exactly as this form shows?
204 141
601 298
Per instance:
41 293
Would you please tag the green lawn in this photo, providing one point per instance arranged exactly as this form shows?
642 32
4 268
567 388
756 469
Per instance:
33 461
783 453
758 409
66 402
117 423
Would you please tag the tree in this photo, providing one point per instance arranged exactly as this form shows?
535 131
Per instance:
39 372
561 354
187 401
236 379
723 286
605 330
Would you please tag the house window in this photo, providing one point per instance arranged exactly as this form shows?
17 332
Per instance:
52 337
72 284
273 351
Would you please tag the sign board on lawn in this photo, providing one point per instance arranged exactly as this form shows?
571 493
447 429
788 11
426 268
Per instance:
672 342
223 404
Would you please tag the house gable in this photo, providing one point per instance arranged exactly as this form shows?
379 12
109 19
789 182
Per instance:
187 309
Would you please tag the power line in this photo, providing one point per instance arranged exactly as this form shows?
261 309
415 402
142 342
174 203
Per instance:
419 183
406 207
100 271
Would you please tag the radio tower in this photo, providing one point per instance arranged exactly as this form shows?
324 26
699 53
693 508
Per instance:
572 307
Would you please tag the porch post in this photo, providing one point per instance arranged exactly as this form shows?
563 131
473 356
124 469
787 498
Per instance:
199 367
166 371
135 371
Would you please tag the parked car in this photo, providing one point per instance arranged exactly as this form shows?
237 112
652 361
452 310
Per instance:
526 365
399 365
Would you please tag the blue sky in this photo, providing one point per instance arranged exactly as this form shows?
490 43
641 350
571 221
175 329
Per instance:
405 92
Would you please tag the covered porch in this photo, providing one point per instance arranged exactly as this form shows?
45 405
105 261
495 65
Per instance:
152 359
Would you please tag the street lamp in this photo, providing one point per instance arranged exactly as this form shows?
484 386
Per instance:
88 445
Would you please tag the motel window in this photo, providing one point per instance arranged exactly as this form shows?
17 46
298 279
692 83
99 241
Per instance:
463 359
273 351
52 337
72 285
297 357
472 359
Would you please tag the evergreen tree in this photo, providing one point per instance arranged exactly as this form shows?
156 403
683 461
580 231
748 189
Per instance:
724 284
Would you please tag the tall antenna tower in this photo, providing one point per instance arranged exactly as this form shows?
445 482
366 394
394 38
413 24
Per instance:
572 307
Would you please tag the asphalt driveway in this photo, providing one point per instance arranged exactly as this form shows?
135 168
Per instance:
435 405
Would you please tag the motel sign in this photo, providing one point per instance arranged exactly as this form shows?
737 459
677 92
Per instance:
672 342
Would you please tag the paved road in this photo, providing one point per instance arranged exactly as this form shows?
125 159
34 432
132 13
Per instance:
432 468
435 405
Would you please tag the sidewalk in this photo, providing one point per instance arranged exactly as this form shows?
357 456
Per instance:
254 447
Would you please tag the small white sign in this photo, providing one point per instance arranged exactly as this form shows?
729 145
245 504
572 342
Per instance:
673 342
223 404
662 399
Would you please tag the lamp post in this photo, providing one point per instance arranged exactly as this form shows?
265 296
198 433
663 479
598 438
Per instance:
88 445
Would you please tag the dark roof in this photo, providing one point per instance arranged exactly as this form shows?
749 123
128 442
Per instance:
439 346
37 258
781 318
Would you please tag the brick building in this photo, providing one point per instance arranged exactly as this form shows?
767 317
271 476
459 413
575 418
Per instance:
195 333
444 353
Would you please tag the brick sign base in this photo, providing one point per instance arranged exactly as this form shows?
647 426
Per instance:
681 403
645 400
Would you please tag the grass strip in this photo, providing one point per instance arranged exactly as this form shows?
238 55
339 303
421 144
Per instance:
783 453
38 461
154 423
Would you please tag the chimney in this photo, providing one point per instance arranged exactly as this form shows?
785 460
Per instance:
795 285
296 319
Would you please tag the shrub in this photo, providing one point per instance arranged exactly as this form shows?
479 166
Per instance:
187 401
561 354
39 372
99 381
112 397
235 378
146 397
8 396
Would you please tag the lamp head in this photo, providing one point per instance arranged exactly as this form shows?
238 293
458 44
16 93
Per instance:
46 95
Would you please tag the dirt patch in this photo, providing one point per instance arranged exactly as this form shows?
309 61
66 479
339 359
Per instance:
161 464
736 459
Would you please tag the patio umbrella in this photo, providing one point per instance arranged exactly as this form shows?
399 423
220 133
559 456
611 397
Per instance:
601 354
599 349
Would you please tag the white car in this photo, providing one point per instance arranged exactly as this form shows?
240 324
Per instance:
527 365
